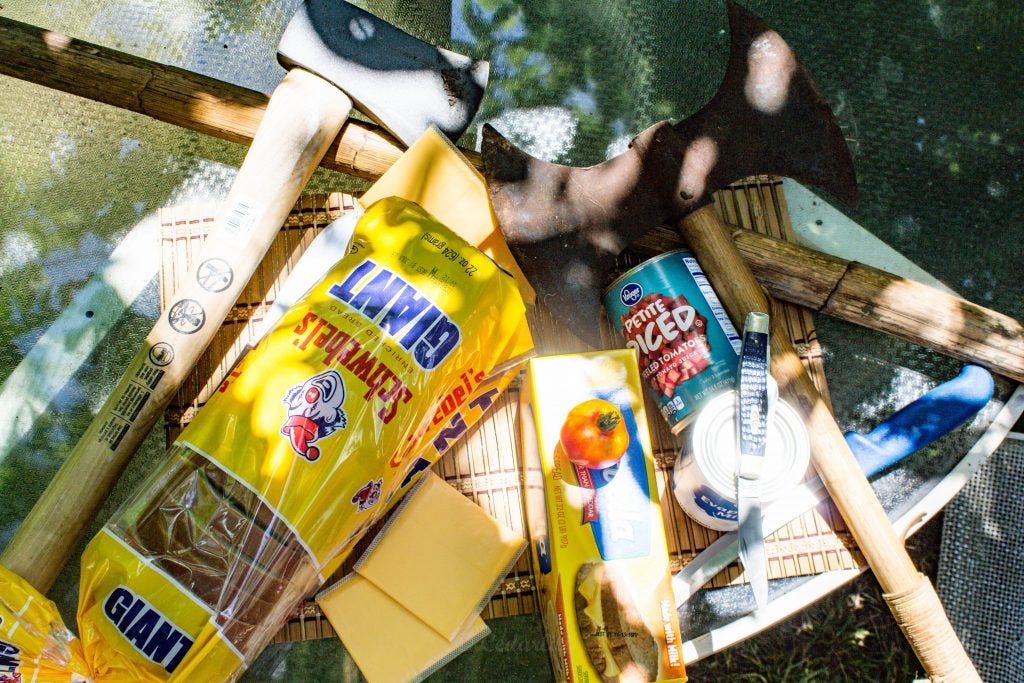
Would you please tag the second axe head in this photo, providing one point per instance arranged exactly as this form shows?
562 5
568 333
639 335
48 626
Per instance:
402 82
566 225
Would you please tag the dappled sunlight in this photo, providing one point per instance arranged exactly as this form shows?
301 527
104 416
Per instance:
56 42
770 68
56 357
571 83
699 161
547 133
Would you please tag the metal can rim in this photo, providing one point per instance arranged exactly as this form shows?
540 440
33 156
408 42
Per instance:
645 264
787 459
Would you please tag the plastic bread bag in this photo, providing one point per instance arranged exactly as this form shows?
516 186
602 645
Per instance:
310 439
34 643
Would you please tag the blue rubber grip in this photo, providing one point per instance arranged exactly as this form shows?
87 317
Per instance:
913 427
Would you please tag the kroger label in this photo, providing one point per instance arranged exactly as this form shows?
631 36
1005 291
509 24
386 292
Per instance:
666 310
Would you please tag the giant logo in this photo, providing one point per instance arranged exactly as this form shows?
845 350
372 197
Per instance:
149 631
10 660
398 309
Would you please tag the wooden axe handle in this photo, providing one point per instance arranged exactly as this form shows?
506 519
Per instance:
303 117
909 593
881 301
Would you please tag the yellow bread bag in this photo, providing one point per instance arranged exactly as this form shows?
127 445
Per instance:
312 437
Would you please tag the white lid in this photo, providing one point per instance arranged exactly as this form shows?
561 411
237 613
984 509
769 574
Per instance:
713 442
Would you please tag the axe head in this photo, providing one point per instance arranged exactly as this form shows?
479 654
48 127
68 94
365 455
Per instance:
566 225
401 82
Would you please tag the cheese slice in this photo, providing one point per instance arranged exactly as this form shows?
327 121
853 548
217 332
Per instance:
435 174
387 642
440 555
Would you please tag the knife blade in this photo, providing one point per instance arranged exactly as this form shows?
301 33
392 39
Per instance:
752 432
928 418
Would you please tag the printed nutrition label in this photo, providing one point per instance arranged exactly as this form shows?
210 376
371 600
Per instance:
716 306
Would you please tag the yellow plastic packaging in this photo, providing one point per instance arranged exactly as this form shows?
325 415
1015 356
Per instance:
312 437
34 644
597 535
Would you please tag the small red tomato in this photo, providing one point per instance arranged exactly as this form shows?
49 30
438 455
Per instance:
594 435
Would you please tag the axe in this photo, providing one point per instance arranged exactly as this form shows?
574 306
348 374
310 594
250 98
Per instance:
338 56
850 291
566 226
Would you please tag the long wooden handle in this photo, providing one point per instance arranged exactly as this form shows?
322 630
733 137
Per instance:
885 302
173 95
792 273
909 594
874 299
304 115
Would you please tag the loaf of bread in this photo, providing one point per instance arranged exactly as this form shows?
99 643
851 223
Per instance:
314 436
217 539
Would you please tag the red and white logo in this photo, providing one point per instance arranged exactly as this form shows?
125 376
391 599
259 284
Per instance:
366 497
314 411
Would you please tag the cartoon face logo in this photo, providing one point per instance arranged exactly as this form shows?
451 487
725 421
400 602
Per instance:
366 497
10 678
314 411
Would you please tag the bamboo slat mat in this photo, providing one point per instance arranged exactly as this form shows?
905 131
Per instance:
484 465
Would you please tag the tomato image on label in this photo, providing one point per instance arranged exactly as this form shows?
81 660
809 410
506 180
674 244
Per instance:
671 337
593 434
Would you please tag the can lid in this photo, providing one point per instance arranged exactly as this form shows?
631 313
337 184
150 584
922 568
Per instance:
713 443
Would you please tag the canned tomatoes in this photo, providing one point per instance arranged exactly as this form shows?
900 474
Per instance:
688 349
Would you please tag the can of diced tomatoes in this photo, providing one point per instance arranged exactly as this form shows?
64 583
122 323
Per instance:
687 347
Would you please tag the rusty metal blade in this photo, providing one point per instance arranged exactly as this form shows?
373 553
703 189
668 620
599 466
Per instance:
566 225
767 117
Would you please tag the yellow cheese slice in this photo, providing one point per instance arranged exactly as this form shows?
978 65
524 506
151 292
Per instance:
440 555
435 174
386 641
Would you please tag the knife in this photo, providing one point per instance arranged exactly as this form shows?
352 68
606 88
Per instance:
936 413
751 437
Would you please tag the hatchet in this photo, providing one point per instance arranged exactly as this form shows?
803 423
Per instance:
566 226
338 56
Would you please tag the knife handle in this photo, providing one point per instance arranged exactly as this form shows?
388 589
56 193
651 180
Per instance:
752 395
913 427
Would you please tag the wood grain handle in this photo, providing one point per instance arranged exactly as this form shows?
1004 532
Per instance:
922 619
881 301
304 115
734 283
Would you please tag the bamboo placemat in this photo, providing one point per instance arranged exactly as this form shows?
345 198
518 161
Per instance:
484 465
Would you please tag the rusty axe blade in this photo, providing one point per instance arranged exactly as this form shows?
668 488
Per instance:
566 225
